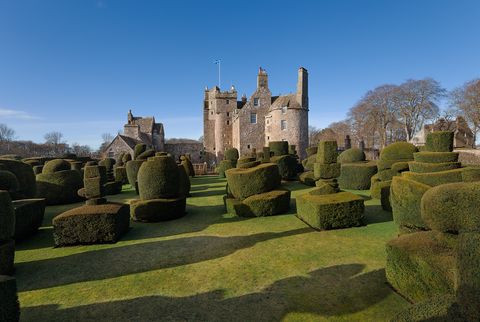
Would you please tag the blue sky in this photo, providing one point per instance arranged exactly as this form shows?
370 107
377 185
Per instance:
77 66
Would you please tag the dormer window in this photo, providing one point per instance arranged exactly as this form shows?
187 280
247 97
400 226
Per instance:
255 101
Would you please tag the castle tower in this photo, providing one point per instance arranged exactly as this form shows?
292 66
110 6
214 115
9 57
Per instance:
302 87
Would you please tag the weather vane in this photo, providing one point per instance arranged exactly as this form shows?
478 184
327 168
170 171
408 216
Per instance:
218 62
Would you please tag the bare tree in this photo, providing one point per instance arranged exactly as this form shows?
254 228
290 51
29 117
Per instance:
81 150
107 137
312 134
6 134
466 99
55 140
416 102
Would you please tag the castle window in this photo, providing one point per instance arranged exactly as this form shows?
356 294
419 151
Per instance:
228 122
227 102
283 124
248 146
211 113
284 110
253 118
228 114
255 101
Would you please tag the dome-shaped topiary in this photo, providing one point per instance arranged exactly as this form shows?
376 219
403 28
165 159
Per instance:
158 178
139 149
398 151
132 168
60 187
55 166
351 155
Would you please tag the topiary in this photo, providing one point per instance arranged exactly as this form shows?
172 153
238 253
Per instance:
312 150
224 166
244 183
108 163
326 170
266 154
158 178
327 152
356 175
439 141
132 168
55 166
7 216
264 204
120 174
424 167
435 178
157 209
10 308
8 181
59 187
184 182
451 207
398 151
436 157
139 149
126 157
25 177
146 154
287 166
278 148
351 155
231 154
405 197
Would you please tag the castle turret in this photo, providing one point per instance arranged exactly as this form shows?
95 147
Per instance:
302 87
262 78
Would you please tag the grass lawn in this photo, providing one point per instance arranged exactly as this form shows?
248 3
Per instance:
212 266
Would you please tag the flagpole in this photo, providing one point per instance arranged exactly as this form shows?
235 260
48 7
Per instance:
219 68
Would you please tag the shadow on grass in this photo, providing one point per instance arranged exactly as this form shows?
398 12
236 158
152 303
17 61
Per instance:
208 193
328 292
131 259
375 214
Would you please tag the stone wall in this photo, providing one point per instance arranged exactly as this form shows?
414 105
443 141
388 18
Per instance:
178 149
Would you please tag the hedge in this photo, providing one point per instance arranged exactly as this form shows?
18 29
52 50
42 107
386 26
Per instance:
146 154
307 178
405 198
421 265
246 165
385 197
120 174
388 164
231 154
439 141
398 151
37 169
326 171
331 211
468 277
29 215
187 164
438 308
244 183
287 166
8 181
132 170
351 155
224 166
327 152
312 150
470 174
278 148
377 187
7 216
386 175
356 175
139 149
7 254
108 163
55 166
126 157
245 160
270 203
324 188
10 308
435 178
74 226
94 171
155 210
309 161
266 154
59 187
436 157
158 178
452 207
400 166
25 177
113 188
184 182
423 167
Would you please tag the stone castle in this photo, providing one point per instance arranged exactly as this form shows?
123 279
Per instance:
249 125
